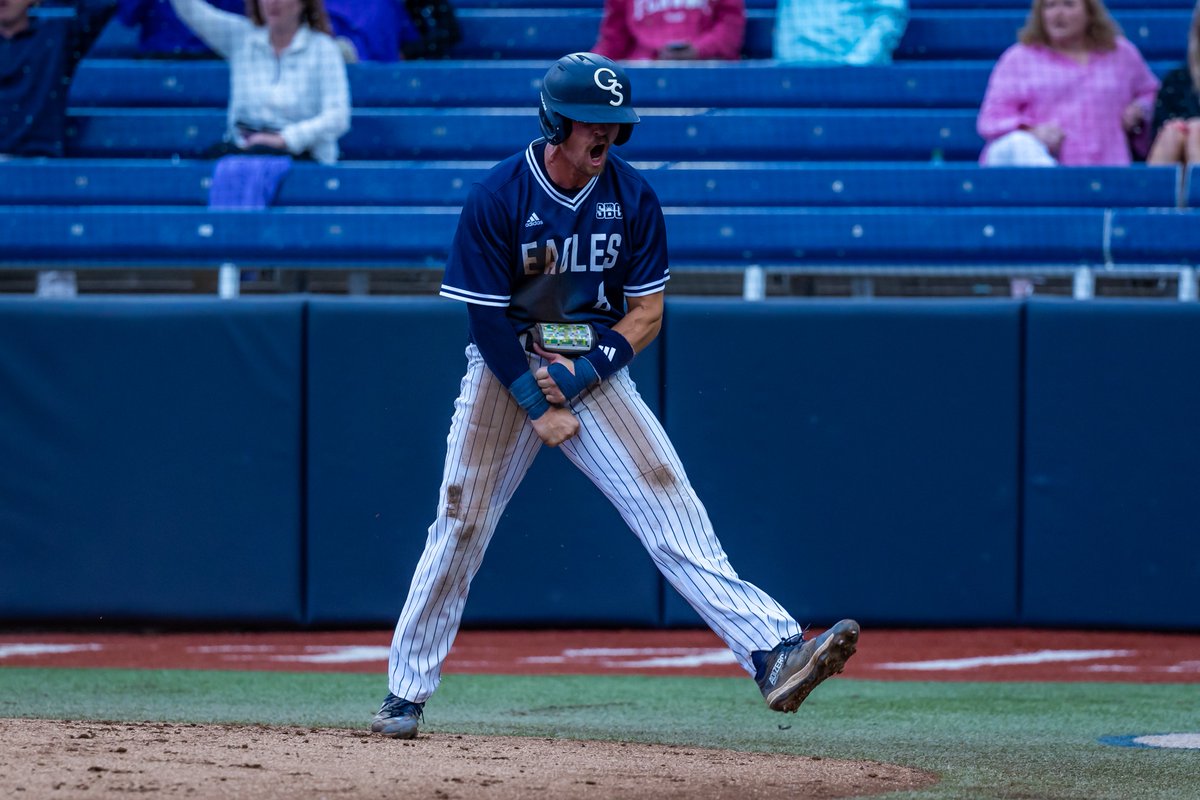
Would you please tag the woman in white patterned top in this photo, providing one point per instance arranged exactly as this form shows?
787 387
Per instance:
288 88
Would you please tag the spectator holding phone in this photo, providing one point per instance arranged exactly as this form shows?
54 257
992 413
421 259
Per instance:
289 94
1072 91
1177 110
672 30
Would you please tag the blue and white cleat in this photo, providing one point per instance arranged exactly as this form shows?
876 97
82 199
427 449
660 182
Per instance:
793 668
398 718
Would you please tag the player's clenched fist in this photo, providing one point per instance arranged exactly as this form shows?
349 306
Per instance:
555 426
549 388
563 379
545 382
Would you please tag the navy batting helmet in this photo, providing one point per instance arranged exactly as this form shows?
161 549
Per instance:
586 87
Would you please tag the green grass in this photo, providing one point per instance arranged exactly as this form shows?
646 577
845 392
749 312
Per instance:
985 740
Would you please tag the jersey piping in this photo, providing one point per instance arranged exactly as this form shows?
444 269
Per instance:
552 191
454 293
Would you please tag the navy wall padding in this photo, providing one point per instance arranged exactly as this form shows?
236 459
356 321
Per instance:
277 462
382 378
1112 464
855 458
150 460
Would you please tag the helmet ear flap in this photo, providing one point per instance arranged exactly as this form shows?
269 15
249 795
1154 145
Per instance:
555 127
624 133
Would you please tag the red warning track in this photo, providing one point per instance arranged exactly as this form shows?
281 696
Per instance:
944 655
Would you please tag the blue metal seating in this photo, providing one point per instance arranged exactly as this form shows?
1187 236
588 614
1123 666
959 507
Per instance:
121 83
688 183
755 162
169 236
494 133
718 236
829 239
1155 236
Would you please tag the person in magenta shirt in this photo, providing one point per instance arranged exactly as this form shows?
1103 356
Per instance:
671 30
1072 91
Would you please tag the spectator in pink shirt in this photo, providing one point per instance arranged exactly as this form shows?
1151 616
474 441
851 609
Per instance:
671 30
1072 91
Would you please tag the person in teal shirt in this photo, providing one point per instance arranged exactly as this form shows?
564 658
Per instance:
853 32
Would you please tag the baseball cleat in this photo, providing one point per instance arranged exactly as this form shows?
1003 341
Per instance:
794 667
397 718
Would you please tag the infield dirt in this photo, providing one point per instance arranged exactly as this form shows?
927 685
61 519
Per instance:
77 759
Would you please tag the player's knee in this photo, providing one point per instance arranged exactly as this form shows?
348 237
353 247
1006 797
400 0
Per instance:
659 477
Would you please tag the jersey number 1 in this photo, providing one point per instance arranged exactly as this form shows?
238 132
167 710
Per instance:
602 303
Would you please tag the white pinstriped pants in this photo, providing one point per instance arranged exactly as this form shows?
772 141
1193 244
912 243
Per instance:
624 450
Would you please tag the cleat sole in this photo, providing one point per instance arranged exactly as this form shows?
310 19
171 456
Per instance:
829 660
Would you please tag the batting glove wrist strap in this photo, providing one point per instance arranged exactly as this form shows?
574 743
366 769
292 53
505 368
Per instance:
612 352
572 385
528 395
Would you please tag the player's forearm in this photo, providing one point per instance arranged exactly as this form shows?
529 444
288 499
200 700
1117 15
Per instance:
640 326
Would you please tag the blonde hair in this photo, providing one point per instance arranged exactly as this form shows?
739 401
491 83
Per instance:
312 13
1193 54
1100 34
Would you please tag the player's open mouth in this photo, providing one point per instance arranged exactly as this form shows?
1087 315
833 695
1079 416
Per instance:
597 153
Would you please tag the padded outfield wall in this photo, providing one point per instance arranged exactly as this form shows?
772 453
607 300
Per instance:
276 462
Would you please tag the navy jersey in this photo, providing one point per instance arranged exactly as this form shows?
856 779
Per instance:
548 256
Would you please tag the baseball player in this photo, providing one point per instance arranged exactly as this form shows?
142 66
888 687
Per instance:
561 257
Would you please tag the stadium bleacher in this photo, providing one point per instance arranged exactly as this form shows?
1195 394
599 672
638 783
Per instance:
546 31
758 164
129 83
783 134
681 183
700 236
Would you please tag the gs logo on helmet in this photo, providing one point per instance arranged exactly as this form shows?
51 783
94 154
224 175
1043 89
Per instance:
587 87
606 79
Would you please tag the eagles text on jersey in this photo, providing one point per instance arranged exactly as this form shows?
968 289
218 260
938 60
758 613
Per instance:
550 256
